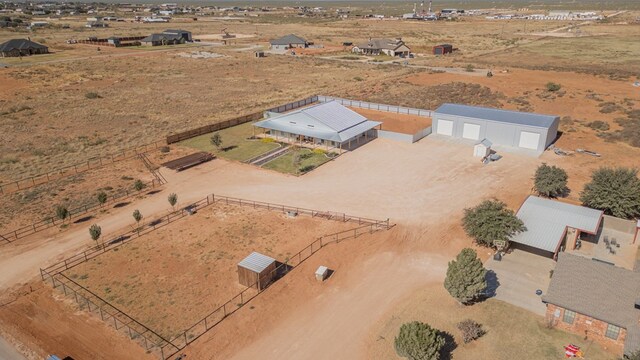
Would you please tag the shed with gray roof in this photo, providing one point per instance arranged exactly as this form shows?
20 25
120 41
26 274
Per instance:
256 270
553 225
604 294
330 124
509 129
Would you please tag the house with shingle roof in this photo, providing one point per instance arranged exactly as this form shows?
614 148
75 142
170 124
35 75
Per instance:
288 42
21 47
391 47
597 300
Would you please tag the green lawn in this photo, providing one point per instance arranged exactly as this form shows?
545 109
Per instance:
235 145
308 158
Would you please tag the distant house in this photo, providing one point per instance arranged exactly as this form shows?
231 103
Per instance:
96 24
21 47
596 300
391 47
287 42
162 39
186 35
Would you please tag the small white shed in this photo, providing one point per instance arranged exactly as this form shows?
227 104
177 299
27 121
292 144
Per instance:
482 148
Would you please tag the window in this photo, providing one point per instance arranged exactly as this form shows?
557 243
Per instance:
569 316
612 332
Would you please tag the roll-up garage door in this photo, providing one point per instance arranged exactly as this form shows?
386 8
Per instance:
529 140
471 131
445 127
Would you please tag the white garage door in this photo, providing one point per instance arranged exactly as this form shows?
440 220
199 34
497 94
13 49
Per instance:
529 140
471 131
445 127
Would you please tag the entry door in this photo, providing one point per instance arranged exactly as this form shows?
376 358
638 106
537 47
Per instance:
445 127
529 140
471 131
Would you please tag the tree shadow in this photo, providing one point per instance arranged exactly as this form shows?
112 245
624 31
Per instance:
121 204
155 222
492 283
119 239
83 219
152 192
227 148
446 352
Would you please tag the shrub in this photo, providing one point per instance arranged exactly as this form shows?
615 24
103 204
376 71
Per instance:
319 151
599 125
358 78
550 181
102 197
469 68
465 279
95 231
62 212
609 107
553 87
173 199
490 221
616 191
165 149
92 95
470 330
139 185
419 341
307 168
216 140
306 155
267 140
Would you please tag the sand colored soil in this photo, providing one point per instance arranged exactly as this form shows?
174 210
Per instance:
171 278
402 123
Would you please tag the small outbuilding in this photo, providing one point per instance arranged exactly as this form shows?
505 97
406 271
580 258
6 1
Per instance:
256 270
442 49
510 129
21 47
482 148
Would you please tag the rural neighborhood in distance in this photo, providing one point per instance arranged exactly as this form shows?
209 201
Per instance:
320 180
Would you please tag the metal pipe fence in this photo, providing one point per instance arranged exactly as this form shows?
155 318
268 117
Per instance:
92 163
376 106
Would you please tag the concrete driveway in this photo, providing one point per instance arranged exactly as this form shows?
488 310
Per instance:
516 278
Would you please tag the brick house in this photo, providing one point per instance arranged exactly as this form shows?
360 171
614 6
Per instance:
597 300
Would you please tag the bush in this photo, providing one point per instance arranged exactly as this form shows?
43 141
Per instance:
307 168
139 185
469 68
609 107
553 87
550 181
165 149
490 221
470 330
598 125
466 277
358 78
319 151
267 140
92 95
419 341
95 231
102 197
216 140
616 191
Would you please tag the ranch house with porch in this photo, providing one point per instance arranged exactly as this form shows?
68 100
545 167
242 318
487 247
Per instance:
329 125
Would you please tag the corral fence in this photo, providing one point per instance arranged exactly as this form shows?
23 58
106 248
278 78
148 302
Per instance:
75 213
92 163
147 337
242 298
376 106
174 138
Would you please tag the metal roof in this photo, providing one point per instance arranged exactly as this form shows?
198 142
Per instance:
288 39
485 142
328 121
546 221
256 262
506 116
597 289
20 44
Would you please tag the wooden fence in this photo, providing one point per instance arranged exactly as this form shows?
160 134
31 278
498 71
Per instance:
146 336
92 163
75 213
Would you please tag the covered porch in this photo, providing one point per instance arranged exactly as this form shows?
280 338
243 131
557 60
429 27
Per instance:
312 142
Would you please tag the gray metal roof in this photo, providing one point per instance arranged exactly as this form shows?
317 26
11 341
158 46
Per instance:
506 116
546 221
598 290
485 142
328 121
288 39
256 262
386 44
20 44
161 37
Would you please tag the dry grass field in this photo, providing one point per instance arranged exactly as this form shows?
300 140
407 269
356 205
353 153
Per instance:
78 103
173 277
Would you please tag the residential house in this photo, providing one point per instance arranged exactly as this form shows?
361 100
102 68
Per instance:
391 47
288 42
596 300
162 39
21 47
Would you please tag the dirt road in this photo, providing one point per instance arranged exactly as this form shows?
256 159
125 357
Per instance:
7 352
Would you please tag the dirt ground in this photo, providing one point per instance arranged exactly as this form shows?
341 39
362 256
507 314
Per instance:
402 123
200 253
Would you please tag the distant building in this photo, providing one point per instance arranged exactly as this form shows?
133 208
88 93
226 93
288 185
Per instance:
186 35
21 47
287 42
391 47
96 24
162 39
442 49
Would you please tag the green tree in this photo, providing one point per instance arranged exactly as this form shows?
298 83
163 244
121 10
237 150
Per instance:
216 140
139 185
95 231
137 216
62 212
173 199
102 197
419 341
550 181
490 221
616 191
465 279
